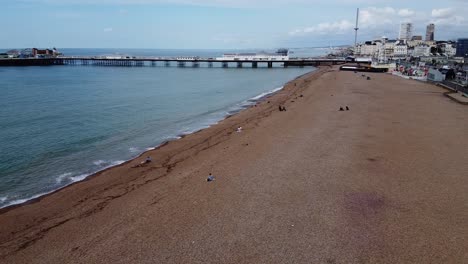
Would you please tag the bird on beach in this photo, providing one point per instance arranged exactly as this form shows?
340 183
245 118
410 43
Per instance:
341 109
347 108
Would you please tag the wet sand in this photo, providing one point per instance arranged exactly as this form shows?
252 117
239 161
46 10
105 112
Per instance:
385 182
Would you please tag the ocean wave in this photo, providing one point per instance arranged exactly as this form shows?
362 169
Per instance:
62 177
117 162
262 95
63 180
79 177
20 201
99 162
133 150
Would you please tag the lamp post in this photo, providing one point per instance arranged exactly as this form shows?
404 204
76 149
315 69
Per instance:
466 72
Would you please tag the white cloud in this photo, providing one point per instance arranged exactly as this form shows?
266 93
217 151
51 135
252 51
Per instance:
442 13
405 13
373 17
325 28
378 21
369 18
109 29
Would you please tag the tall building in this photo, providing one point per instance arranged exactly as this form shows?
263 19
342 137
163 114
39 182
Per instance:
406 31
430 32
462 47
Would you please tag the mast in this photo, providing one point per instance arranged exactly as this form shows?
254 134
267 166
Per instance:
356 28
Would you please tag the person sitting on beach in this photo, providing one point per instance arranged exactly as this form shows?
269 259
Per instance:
147 160
210 178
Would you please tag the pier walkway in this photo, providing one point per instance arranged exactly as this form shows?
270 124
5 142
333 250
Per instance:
168 62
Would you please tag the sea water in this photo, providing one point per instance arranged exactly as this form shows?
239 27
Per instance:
60 124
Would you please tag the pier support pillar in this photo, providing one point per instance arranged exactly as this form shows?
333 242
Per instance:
254 64
195 64
270 64
285 65
225 64
167 63
210 64
239 65
181 64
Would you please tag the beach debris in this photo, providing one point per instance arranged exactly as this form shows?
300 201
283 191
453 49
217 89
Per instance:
347 108
368 78
363 75
282 108
301 95
268 102
341 108
239 129
210 178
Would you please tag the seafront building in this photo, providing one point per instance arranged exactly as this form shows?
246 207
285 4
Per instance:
462 48
406 31
408 45
401 50
430 32
421 50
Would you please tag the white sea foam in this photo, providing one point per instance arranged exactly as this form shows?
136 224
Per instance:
115 163
62 177
133 150
3 199
20 201
79 177
99 162
260 96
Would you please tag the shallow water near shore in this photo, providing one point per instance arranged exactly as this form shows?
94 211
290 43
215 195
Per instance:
62 123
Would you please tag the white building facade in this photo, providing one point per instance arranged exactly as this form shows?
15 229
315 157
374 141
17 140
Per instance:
401 50
421 51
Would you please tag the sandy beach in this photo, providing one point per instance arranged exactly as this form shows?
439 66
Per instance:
385 182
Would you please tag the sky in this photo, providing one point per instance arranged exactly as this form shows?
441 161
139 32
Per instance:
219 24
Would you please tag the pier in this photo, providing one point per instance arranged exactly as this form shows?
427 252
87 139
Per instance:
168 62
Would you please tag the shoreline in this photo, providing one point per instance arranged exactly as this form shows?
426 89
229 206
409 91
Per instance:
310 184
245 105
